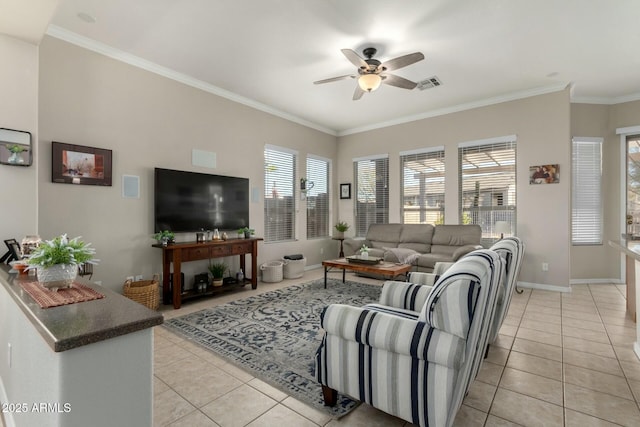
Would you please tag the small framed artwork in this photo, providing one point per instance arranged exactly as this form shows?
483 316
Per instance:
544 174
78 164
14 253
345 191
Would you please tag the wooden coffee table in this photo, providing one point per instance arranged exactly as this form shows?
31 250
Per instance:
386 269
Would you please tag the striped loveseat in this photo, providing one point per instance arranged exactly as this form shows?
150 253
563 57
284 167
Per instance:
416 369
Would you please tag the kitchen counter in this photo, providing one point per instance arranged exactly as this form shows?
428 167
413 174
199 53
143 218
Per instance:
631 250
74 325
88 363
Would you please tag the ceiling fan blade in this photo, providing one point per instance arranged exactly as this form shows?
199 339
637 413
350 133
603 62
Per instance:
355 58
334 79
358 93
403 61
397 81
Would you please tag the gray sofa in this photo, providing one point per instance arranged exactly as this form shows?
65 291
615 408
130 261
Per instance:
421 245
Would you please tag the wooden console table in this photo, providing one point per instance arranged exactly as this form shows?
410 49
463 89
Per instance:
177 253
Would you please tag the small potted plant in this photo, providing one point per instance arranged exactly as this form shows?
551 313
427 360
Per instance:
246 232
364 251
57 260
341 227
217 270
164 237
15 150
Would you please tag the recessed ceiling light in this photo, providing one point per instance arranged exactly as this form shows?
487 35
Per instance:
89 19
554 74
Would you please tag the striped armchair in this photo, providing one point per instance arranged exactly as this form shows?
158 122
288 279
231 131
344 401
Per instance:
418 369
512 250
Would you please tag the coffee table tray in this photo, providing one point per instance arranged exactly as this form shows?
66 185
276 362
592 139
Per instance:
356 259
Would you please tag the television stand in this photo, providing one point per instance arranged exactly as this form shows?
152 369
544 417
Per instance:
177 253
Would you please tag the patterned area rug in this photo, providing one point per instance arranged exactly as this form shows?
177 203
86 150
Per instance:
274 336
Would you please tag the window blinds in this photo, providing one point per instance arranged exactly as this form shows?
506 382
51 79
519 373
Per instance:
487 183
318 197
371 193
586 191
279 194
422 187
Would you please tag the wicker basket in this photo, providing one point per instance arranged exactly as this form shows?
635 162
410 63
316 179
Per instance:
144 292
271 271
294 268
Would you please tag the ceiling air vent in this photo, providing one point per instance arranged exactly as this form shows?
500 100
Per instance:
429 83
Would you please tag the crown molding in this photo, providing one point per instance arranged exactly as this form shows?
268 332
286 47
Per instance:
460 107
117 54
605 100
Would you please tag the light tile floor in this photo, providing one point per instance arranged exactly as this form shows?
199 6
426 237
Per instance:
561 359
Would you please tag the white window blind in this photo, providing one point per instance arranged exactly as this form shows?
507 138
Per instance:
371 193
279 194
488 186
422 187
318 197
586 192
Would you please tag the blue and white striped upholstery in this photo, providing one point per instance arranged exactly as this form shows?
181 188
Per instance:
418 369
512 250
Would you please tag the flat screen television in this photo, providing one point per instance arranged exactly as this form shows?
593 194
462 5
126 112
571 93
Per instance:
191 201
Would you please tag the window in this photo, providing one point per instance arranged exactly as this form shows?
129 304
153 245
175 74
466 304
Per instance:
488 184
371 192
586 196
318 197
422 186
279 192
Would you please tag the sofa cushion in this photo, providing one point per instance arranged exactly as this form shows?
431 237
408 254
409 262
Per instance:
384 235
417 237
456 235
428 261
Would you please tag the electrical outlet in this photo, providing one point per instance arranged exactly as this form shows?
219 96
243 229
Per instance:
321 251
545 266
138 277
9 354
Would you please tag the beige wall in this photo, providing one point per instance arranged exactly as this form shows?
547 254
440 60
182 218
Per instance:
541 124
150 121
18 110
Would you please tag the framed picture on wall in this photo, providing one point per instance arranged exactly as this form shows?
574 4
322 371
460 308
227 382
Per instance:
345 191
78 164
544 174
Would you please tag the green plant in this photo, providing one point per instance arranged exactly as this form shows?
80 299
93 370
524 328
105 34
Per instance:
245 230
61 250
217 269
164 234
364 249
342 226
15 148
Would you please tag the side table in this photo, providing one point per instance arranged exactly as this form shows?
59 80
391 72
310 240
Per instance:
341 254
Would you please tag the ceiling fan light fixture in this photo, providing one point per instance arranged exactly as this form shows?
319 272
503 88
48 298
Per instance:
369 82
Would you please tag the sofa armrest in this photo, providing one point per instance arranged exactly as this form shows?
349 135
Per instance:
352 246
463 250
404 295
393 334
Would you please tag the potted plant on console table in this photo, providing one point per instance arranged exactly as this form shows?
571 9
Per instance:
246 231
340 227
217 270
57 261
164 237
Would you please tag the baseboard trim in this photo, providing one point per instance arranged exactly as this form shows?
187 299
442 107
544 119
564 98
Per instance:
636 349
595 281
544 287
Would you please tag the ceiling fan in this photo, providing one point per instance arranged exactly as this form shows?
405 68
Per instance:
371 72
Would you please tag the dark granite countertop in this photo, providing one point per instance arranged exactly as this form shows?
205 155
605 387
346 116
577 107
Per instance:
74 325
